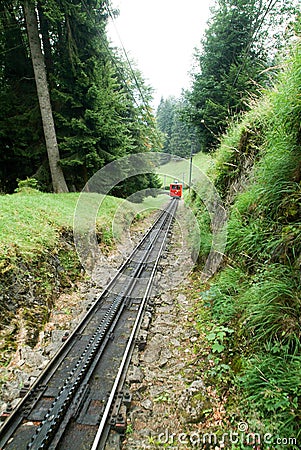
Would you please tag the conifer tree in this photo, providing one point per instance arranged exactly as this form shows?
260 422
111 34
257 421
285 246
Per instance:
179 137
100 106
235 52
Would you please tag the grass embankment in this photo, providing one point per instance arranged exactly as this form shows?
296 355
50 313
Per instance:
254 303
31 222
180 169
38 259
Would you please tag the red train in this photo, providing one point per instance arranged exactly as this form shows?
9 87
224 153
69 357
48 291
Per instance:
176 189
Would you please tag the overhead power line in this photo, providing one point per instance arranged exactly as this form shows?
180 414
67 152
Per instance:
120 72
126 55
136 81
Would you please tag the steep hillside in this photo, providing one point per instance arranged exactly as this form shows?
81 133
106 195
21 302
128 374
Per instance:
254 329
38 258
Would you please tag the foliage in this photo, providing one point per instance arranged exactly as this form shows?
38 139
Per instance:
257 294
179 137
238 45
272 383
100 106
28 184
46 213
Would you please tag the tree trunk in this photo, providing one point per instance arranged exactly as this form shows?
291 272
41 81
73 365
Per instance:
57 176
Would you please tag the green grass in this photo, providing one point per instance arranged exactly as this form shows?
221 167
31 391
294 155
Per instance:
257 294
31 222
180 170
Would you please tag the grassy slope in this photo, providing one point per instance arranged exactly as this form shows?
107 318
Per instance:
38 260
31 221
254 329
180 170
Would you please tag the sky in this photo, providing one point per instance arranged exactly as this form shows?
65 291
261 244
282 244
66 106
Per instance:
160 36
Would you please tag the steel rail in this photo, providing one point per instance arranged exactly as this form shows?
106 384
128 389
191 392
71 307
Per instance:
91 354
14 420
76 375
129 347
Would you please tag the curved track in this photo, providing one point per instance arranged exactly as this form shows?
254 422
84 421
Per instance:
77 398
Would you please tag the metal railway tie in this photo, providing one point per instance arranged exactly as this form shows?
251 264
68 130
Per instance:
75 387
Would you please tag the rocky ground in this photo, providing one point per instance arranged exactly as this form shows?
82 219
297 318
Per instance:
172 407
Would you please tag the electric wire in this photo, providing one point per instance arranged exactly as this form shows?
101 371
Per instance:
126 55
148 117
144 102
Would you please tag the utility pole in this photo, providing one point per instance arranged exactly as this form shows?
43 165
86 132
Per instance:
191 155
190 167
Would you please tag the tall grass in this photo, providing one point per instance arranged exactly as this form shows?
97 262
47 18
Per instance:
258 294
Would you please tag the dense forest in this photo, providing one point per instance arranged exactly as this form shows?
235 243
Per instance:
99 104
179 137
238 57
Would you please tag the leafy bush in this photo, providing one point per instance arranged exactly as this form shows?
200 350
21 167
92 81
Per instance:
272 385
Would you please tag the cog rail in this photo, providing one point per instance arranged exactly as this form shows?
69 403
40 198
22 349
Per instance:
71 405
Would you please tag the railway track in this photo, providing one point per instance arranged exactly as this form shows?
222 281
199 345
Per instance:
79 397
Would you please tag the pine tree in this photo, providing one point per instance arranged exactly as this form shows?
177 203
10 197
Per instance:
100 106
231 63
179 136
21 134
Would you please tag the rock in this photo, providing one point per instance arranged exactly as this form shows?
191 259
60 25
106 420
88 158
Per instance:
167 298
182 299
175 342
196 386
135 375
162 310
146 321
156 391
33 358
153 351
135 357
165 356
193 402
147 404
166 319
